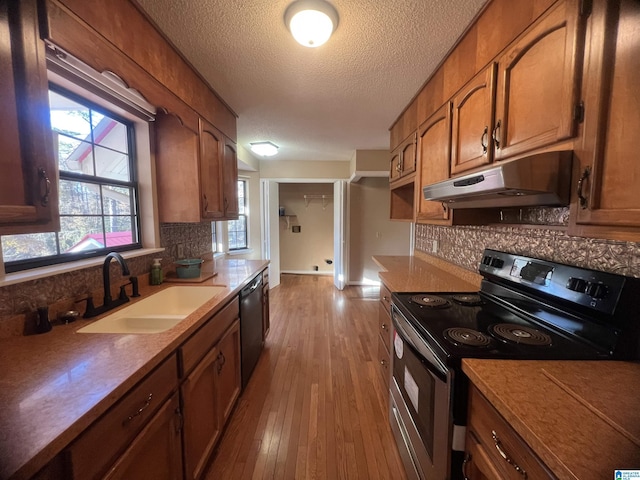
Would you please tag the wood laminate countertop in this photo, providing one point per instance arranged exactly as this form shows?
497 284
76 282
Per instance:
425 273
53 386
582 418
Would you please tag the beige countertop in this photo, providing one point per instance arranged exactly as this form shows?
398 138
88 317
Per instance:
582 418
55 385
425 273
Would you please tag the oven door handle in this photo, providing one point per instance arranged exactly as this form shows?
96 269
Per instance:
411 336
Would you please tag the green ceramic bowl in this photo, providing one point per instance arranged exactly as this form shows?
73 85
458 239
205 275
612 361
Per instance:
189 267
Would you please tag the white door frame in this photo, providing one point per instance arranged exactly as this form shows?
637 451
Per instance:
270 224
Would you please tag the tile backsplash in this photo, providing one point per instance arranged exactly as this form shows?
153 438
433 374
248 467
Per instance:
464 245
19 301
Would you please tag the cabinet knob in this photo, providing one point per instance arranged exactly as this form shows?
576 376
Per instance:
496 135
585 174
483 139
44 199
383 363
384 326
504 455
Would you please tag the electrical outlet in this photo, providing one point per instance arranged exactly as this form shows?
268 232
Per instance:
180 251
434 246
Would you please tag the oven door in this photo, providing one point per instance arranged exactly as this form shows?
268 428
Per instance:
420 408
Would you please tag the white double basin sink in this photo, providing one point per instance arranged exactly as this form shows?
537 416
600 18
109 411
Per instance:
156 313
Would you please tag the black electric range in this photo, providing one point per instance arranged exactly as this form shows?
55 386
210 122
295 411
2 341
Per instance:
526 308
530 309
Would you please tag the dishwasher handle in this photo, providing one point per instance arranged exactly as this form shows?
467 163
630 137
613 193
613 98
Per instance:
248 290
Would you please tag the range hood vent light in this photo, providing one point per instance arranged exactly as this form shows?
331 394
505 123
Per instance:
542 179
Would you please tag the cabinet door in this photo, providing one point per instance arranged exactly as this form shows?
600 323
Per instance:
394 172
177 168
201 414
403 159
434 141
230 180
538 83
229 379
155 454
408 156
266 321
28 183
211 171
473 109
609 156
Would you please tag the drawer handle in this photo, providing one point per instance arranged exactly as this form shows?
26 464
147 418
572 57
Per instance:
385 298
140 410
467 459
221 361
383 363
384 326
502 453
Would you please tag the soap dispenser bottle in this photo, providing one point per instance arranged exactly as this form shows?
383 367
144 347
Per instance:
156 272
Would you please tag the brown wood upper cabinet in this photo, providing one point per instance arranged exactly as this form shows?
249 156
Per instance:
196 170
539 83
403 160
230 187
211 171
29 180
434 150
473 112
606 184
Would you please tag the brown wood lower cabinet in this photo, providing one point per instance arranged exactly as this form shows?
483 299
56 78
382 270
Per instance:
106 444
493 448
210 390
155 454
385 332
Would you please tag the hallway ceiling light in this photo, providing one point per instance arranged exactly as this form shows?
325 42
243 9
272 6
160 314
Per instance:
265 149
311 22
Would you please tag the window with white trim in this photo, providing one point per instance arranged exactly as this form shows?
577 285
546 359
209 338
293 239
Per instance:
238 234
98 189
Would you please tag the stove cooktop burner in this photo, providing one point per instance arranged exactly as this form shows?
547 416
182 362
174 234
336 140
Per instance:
468 299
520 334
467 337
431 301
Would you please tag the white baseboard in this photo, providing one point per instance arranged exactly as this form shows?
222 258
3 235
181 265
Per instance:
306 272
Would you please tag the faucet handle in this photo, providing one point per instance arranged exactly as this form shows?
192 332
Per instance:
134 287
123 293
91 309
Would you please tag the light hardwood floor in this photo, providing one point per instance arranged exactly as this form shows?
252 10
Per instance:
315 407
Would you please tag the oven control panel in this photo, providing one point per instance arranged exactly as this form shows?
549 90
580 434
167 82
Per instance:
595 290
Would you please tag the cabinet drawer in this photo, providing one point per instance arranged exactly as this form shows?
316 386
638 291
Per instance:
204 339
384 326
385 297
497 436
99 446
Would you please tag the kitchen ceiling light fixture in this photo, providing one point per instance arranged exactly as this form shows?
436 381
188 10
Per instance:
265 149
311 22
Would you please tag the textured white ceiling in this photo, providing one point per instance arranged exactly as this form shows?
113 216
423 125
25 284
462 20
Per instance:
322 103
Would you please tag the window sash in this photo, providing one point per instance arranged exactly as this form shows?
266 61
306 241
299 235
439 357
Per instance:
99 182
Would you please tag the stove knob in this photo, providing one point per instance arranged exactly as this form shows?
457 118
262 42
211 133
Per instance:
596 290
497 262
576 284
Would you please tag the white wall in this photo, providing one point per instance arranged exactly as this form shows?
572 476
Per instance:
371 232
300 252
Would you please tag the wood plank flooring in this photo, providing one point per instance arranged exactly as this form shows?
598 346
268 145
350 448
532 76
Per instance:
316 406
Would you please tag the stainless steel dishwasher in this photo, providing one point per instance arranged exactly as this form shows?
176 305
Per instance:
251 327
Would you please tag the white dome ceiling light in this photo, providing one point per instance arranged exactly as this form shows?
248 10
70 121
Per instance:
265 149
311 22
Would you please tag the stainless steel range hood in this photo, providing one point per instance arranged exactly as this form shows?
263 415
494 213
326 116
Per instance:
537 180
